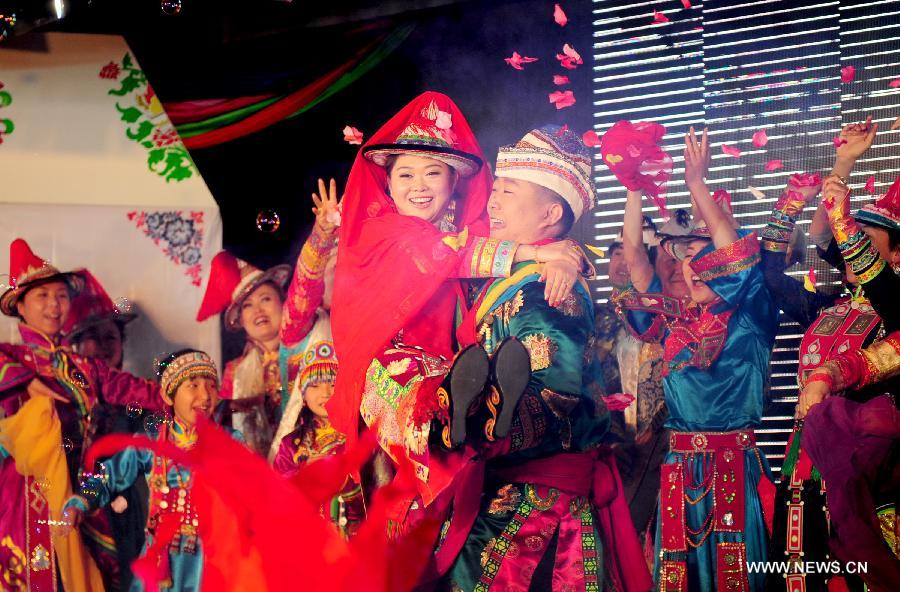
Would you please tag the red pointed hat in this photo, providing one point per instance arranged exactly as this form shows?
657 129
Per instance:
27 270
92 307
885 212
231 280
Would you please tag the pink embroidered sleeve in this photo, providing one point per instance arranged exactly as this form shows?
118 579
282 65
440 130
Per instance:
121 388
307 287
486 257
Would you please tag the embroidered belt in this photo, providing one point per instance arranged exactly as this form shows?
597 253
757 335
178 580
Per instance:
688 442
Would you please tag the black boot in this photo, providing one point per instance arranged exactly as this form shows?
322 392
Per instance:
464 384
510 373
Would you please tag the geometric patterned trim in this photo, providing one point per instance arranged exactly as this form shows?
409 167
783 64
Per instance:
740 255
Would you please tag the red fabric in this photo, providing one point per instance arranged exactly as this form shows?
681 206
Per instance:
632 153
22 259
189 111
392 270
275 112
252 520
224 277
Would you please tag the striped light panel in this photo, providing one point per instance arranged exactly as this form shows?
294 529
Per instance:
737 67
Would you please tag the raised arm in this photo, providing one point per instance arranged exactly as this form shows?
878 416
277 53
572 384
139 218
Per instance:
696 164
308 284
633 243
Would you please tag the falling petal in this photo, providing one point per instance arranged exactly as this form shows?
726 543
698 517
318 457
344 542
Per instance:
559 16
659 17
731 150
596 251
562 130
618 401
686 3
559 79
760 138
352 135
848 73
590 139
517 60
896 124
569 58
870 184
721 196
774 165
756 192
562 99
894 83
838 141
809 280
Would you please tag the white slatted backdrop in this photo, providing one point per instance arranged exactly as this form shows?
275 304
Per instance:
738 67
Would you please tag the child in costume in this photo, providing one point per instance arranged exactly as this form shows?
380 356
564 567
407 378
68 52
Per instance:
47 395
413 221
716 348
278 326
189 386
315 438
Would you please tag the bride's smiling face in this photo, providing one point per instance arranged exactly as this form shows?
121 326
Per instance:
420 186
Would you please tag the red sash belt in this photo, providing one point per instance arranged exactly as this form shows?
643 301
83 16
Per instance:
688 442
587 474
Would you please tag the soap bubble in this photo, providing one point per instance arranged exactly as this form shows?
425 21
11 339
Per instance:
268 221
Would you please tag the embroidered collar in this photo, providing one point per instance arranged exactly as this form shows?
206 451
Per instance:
38 340
182 435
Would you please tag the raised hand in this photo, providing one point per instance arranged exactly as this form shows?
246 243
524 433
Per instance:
858 138
835 192
696 158
326 207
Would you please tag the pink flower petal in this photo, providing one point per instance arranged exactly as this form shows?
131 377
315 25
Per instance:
659 17
774 165
870 184
721 196
559 16
590 138
760 138
562 131
517 60
559 80
562 99
352 135
686 3
895 83
848 73
838 141
569 58
731 150
618 401
756 192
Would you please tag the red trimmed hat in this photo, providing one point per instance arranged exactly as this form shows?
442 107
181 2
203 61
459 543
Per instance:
429 133
92 307
885 212
231 280
27 270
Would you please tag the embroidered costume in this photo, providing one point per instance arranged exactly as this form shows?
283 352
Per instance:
552 509
832 325
42 442
717 357
394 287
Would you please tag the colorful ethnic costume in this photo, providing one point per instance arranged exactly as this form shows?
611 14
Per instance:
42 442
257 383
853 441
717 355
832 325
315 438
171 510
394 294
552 509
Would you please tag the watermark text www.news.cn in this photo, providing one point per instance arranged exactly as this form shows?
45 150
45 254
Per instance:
808 567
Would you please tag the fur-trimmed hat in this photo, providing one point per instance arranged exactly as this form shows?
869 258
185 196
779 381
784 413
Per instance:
885 211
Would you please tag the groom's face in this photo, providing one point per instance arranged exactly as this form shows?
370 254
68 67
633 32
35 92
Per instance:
518 210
